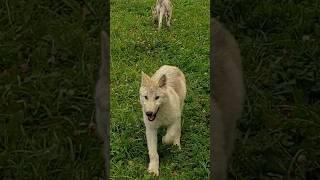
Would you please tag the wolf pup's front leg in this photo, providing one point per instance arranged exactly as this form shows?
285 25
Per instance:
151 134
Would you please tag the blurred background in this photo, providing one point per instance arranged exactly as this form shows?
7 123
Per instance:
278 135
49 58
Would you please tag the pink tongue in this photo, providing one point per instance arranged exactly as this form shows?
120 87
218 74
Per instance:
151 118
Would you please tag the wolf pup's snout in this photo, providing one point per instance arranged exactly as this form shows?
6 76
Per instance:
149 113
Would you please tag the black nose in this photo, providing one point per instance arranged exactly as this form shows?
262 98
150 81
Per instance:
149 113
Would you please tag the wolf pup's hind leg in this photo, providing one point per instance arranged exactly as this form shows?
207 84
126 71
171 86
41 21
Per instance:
168 18
173 135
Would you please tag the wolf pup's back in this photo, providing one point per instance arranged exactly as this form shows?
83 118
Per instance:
175 79
228 96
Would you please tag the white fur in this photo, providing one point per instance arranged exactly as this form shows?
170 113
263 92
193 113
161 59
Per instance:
170 103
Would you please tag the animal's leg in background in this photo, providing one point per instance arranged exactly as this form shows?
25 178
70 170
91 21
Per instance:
169 14
160 18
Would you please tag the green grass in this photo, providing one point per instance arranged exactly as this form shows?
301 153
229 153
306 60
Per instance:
281 122
49 57
136 46
48 67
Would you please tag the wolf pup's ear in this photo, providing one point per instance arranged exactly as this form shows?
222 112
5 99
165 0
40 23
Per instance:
144 78
162 81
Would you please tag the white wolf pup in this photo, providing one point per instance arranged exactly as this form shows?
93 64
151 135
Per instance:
162 99
162 8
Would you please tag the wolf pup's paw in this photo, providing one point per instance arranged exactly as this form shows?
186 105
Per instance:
153 170
177 144
166 140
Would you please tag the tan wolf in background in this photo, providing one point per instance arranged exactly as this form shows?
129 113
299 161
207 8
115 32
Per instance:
162 98
162 8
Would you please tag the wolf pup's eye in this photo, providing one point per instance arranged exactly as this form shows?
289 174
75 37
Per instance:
146 97
157 97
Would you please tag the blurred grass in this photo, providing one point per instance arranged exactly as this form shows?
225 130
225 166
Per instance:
279 131
136 46
49 53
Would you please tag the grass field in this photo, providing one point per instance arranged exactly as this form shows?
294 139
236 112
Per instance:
49 57
136 46
279 132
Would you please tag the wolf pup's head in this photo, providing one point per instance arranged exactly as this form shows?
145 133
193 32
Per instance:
152 95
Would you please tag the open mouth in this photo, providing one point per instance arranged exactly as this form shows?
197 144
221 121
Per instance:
153 116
